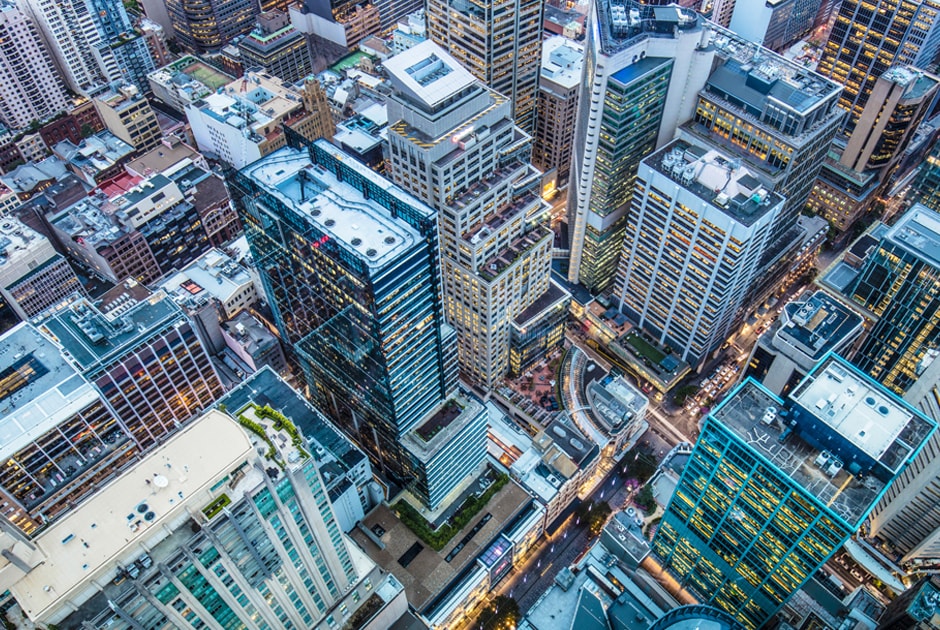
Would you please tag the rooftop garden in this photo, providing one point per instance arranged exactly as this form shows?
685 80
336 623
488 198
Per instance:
439 538
439 421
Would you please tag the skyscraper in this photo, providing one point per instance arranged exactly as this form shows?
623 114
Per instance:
30 86
859 166
900 285
641 65
500 43
559 85
870 37
698 225
216 537
208 25
453 144
350 266
774 487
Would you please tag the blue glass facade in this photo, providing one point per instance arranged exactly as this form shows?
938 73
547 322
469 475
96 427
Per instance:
773 487
349 263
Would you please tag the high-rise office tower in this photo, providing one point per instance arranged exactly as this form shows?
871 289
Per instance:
350 265
900 285
126 113
925 188
868 38
276 47
142 353
641 64
559 87
698 224
193 535
453 144
774 25
774 487
30 86
859 166
915 608
93 43
208 25
500 43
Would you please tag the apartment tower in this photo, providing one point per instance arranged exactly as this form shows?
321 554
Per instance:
453 144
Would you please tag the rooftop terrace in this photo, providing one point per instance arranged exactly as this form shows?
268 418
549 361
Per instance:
427 72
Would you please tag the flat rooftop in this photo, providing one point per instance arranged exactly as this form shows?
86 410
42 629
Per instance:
214 273
742 412
818 324
88 542
38 388
918 231
428 572
91 336
428 73
342 212
716 179
862 412
562 60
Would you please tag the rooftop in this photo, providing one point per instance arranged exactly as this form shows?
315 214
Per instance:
265 387
362 226
817 325
170 152
918 83
562 60
918 231
192 74
94 154
428 73
19 241
863 412
91 334
212 274
255 101
89 542
621 22
835 394
716 179
436 431
39 388
552 296
618 403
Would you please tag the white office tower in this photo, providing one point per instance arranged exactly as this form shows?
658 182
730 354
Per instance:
453 144
697 227
30 87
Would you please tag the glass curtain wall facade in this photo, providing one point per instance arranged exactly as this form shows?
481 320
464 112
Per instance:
365 321
900 285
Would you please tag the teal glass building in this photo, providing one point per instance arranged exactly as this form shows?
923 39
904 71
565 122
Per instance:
773 487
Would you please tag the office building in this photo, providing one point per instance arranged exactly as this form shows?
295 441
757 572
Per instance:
203 26
859 167
33 276
686 286
335 28
925 188
869 38
243 121
338 243
773 25
127 114
500 44
344 468
275 46
899 284
154 35
452 144
779 120
30 86
808 328
412 29
557 105
131 227
267 548
914 609
217 275
774 487
140 351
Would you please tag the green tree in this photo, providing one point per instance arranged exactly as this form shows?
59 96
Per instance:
501 614
597 518
644 498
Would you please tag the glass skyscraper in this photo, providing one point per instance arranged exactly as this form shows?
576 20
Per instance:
900 285
773 487
350 266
